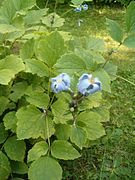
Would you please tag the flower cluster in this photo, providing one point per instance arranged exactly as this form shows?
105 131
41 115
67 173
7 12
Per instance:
81 7
86 85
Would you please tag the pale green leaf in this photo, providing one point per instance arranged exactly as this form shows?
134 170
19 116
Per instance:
104 78
70 63
19 167
78 136
38 150
15 149
60 110
27 49
3 104
45 168
111 69
63 131
32 123
6 28
3 133
18 90
130 17
53 20
34 16
130 41
5 169
10 121
38 99
115 30
104 113
64 150
36 67
6 75
93 126
50 48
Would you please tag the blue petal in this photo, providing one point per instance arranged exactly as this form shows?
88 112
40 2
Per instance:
85 76
94 89
85 7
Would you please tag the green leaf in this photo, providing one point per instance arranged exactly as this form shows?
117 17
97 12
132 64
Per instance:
130 17
95 44
3 133
60 110
130 41
39 149
32 123
70 63
92 101
53 20
50 48
64 150
78 136
63 131
5 169
45 168
34 16
93 126
104 113
9 67
10 121
6 28
19 167
18 90
115 30
111 69
38 99
36 67
15 149
104 78
3 104
27 49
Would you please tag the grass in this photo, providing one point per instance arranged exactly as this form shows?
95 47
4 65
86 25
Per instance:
111 157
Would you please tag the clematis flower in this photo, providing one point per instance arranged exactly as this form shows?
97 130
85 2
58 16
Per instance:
60 83
85 7
78 9
88 85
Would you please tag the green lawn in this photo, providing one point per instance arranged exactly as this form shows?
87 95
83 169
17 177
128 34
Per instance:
111 157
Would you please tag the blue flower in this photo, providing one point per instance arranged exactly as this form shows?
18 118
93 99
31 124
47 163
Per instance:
60 83
78 9
85 7
88 85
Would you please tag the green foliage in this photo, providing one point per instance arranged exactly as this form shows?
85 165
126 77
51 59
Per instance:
36 124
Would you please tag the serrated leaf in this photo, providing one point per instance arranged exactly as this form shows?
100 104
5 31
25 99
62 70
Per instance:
34 16
38 99
19 167
64 150
115 30
70 63
104 113
45 168
5 169
10 121
32 123
3 133
104 78
27 49
7 28
93 128
95 44
78 136
111 69
130 17
36 67
92 101
53 20
39 149
9 67
15 149
60 110
129 41
50 48
63 131
18 90
3 104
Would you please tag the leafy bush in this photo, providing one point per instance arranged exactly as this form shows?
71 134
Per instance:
44 117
